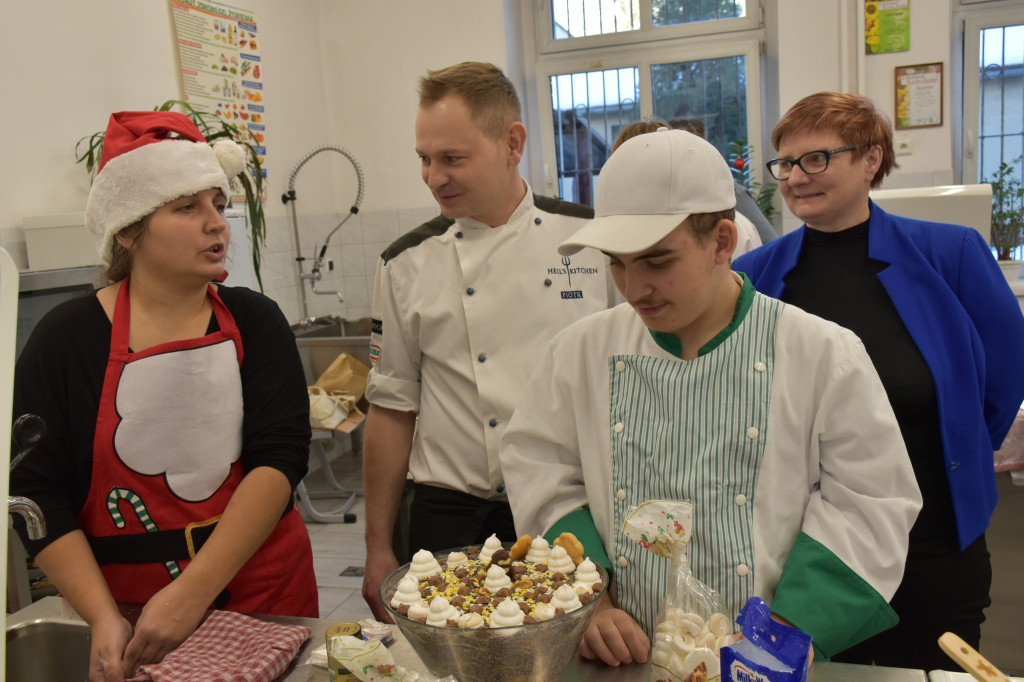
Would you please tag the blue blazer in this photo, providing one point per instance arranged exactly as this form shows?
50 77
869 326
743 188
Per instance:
967 323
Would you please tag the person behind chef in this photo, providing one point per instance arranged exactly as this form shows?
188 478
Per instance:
462 306
770 421
752 228
176 412
944 331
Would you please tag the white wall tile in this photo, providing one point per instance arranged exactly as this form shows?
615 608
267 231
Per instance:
352 262
351 232
380 226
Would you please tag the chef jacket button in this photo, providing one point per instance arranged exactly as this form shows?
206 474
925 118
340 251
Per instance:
760 366
618 427
621 494
742 570
752 432
536 221
470 291
623 562
620 366
481 357
741 499
547 282
458 235
493 423
500 489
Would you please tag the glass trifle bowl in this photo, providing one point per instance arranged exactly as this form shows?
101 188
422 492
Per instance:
539 650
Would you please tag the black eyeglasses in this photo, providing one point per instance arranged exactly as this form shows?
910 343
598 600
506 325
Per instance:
810 163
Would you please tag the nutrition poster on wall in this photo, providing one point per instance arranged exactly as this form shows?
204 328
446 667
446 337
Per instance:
221 68
886 26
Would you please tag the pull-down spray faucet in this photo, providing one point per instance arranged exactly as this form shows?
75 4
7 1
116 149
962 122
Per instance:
316 274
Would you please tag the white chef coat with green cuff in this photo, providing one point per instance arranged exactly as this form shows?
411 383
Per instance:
779 433
461 311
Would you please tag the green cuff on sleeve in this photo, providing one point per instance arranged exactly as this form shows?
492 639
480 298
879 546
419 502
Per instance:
822 596
581 524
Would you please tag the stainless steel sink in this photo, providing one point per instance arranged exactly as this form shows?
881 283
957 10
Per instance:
47 650
331 326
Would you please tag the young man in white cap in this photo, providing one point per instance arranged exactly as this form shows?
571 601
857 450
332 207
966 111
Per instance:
770 421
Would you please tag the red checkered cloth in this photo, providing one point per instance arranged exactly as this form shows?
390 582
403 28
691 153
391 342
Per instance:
229 647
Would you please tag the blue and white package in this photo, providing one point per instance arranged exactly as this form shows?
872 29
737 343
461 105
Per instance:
769 650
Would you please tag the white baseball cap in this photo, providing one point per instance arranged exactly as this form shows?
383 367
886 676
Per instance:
650 185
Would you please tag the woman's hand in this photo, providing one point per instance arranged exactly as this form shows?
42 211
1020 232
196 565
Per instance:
614 637
109 639
167 620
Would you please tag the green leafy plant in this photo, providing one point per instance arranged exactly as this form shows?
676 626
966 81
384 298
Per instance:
741 163
89 150
1007 209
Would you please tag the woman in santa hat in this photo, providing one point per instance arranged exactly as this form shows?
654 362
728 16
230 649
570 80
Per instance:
176 412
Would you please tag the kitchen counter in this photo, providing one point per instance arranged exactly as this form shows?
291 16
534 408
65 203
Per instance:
301 670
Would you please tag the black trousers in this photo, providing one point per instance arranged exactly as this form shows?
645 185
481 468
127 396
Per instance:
441 519
940 592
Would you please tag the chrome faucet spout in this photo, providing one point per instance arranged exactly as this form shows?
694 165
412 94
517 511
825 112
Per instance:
33 515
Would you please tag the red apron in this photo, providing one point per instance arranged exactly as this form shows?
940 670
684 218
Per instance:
166 461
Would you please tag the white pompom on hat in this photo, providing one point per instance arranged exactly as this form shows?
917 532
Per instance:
143 167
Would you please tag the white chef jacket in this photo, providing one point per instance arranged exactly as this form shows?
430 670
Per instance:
747 238
779 432
461 311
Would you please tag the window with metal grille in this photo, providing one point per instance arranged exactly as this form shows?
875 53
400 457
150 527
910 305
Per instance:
1001 100
607 63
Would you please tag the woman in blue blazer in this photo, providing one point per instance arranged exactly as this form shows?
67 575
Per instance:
944 331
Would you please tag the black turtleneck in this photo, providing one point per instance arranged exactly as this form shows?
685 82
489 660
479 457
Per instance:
835 279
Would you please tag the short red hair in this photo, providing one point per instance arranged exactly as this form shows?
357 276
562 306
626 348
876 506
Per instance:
854 118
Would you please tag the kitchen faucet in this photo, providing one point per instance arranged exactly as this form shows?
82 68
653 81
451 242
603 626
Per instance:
27 431
318 260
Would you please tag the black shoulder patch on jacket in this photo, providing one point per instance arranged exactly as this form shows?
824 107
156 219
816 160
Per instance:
432 228
566 208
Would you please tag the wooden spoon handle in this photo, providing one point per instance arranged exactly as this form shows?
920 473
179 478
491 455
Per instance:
970 660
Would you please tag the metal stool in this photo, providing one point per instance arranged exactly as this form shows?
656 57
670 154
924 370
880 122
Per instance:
304 498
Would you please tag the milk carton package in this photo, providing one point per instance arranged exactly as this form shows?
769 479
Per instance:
769 650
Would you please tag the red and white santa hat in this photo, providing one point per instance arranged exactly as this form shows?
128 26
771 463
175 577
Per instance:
150 158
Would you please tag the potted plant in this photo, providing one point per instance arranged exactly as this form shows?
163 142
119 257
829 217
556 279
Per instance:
1008 216
741 157
89 149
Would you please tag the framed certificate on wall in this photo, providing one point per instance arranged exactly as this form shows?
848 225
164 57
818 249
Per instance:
919 96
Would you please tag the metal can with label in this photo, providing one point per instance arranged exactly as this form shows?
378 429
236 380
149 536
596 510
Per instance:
337 671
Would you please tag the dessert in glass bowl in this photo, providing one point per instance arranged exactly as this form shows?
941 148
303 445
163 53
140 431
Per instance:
501 612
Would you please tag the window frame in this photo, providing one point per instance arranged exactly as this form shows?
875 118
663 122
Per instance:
974 19
647 33
749 44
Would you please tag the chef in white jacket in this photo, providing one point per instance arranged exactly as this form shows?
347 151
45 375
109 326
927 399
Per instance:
462 306
770 421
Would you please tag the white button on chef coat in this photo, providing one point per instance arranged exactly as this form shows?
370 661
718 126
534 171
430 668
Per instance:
620 366
620 493
752 432
760 366
742 570
618 427
623 562
741 499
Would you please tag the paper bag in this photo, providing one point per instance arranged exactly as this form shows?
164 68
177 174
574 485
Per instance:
346 375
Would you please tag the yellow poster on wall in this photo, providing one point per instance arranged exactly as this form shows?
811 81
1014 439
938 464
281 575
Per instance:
221 67
886 26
